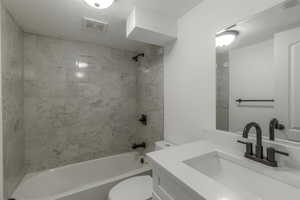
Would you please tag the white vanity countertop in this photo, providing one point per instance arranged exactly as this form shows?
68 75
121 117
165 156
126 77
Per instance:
172 160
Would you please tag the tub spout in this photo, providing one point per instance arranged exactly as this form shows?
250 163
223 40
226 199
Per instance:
142 145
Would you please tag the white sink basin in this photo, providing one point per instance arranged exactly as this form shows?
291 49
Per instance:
236 175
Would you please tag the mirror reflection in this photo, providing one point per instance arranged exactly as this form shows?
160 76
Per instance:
258 70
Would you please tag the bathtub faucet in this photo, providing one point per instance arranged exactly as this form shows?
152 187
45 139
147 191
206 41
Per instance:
142 145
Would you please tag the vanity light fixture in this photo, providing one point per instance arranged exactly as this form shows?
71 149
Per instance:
226 38
99 4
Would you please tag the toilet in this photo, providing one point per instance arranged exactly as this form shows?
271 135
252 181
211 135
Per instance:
138 187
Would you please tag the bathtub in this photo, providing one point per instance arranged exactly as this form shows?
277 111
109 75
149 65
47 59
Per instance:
89 180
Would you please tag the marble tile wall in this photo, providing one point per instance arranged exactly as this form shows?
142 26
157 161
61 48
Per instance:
75 113
12 100
150 99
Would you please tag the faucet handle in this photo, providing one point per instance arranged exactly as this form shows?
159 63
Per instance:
242 142
282 153
249 147
271 154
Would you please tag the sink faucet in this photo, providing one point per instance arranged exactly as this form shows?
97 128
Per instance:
259 155
259 147
274 124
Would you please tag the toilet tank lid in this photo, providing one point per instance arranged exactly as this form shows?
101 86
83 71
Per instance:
136 188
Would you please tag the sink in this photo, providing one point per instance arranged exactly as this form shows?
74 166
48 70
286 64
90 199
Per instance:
241 178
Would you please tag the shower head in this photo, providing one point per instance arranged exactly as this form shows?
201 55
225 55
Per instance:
136 58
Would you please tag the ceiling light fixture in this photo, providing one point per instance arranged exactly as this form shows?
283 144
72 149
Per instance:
99 4
226 38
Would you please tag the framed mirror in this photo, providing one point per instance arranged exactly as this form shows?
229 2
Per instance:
258 73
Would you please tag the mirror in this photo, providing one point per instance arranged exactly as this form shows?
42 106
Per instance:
258 72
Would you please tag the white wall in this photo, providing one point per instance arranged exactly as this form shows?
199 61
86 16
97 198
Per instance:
252 76
151 27
190 65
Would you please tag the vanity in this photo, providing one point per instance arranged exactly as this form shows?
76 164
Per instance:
215 168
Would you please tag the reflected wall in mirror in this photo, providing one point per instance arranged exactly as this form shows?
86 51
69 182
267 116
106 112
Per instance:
258 73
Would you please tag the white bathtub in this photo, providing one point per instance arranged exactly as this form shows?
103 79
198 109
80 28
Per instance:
89 180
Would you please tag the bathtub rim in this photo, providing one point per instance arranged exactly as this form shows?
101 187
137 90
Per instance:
135 172
31 174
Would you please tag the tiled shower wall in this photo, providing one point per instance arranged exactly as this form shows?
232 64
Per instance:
74 114
222 93
12 101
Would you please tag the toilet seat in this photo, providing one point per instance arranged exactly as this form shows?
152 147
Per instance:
136 188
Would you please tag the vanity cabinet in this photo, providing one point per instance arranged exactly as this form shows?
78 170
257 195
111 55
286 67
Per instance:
167 187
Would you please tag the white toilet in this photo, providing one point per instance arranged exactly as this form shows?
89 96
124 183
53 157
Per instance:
136 188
